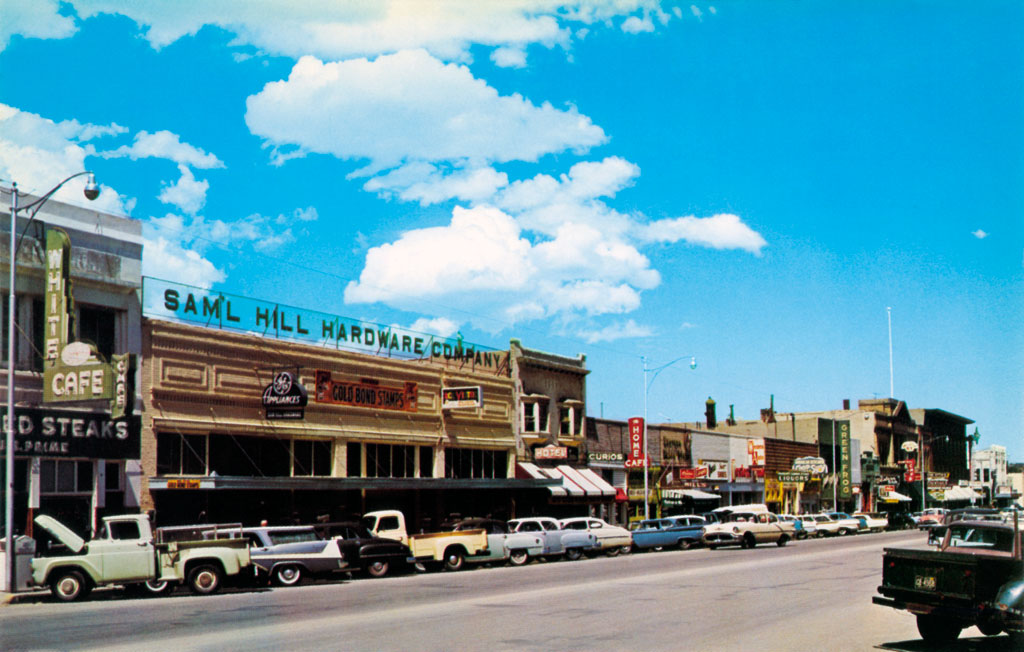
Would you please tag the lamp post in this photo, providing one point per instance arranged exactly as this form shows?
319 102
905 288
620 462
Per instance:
92 191
647 387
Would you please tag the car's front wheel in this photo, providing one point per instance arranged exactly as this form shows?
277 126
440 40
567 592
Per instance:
572 554
377 568
69 586
518 557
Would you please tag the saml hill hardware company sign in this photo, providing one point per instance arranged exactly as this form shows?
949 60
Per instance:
169 300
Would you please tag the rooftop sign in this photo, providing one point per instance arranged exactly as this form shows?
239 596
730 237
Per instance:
178 302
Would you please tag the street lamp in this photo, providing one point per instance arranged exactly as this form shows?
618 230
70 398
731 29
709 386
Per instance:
92 191
647 387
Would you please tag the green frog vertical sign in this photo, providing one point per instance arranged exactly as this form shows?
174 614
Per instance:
845 460
75 371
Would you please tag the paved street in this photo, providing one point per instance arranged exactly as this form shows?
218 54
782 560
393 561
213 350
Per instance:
812 595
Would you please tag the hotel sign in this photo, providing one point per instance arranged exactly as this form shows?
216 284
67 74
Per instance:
366 393
169 300
75 371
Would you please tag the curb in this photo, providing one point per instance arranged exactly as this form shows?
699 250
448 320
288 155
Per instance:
6 599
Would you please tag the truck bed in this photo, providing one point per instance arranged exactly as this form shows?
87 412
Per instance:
930 577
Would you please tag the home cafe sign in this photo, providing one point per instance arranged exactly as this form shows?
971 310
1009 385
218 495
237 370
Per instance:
76 371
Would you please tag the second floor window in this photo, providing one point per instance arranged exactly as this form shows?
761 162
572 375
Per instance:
534 413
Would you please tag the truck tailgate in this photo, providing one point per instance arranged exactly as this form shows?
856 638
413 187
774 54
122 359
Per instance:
926 574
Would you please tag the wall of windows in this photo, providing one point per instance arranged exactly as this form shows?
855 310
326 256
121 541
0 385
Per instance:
475 463
241 455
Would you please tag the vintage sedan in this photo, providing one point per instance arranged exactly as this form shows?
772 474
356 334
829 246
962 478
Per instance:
557 540
747 529
847 524
611 539
872 521
502 544
286 554
682 532
374 556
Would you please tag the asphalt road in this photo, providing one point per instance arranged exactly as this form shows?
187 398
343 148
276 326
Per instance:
810 595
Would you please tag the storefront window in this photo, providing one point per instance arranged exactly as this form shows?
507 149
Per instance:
65 476
311 457
113 476
475 463
390 461
249 456
426 462
178 454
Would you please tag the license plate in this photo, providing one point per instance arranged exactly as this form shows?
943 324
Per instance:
926 582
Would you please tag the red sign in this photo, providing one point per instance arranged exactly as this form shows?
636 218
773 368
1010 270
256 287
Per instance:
694 473
636 443
367 393
912 476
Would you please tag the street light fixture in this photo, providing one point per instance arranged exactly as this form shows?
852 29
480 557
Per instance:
91 191
647 387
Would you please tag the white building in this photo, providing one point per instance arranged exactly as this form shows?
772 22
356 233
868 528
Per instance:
988 469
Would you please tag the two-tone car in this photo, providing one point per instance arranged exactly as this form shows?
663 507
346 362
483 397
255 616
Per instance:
747 526
557 540
611 539
371 555
503 544
682 532
286 554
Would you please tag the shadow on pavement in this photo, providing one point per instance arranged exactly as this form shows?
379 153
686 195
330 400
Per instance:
1001 643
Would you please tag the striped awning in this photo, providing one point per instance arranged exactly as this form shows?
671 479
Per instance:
576 483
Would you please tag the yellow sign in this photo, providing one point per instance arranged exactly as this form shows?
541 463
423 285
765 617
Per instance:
183 483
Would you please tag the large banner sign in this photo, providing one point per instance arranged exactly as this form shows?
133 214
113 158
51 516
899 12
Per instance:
365 393
74 433
168 300
637 456
75 371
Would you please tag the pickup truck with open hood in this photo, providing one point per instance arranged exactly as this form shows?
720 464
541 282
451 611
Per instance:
129 552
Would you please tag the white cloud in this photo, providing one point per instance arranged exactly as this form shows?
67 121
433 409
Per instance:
440 326
480 250
339 30
187 194
261 232
612 332
545 204
34 19
695 10
363 110
509 57
979 234
39 153
636 24
166 260
723 231
165 145
427 184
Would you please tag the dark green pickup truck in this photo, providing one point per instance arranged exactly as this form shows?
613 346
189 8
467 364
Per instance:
974 577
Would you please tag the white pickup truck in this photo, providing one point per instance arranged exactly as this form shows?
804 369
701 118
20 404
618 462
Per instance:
434 549
127 551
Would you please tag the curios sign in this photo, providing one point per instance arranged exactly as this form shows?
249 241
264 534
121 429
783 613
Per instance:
285 397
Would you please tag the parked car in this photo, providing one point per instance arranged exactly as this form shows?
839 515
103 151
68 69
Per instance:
872 521
374 556
809 525
557 540
827 526
285 554
611 539
798 525
448 550
747 529
847 523
901 521
502 545
681 532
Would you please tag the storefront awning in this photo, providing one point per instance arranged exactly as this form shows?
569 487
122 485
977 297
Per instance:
961 493
321 483
895 496
576 483
695 494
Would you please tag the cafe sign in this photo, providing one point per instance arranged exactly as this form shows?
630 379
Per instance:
75 371
637 458
365 393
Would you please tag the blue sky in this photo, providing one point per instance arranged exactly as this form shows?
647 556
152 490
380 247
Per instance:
750 183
